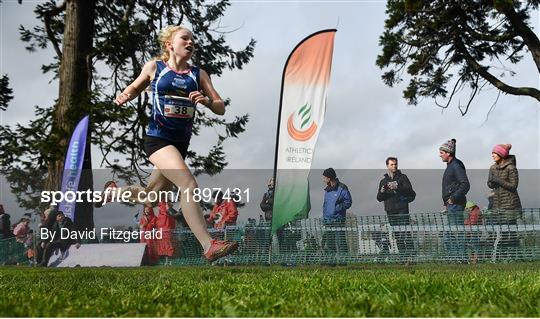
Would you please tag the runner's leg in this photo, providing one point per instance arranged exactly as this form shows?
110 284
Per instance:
172 166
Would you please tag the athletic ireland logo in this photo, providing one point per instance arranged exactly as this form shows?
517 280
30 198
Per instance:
300 125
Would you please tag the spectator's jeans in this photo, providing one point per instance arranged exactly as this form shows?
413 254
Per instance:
454 238
400 220
334 238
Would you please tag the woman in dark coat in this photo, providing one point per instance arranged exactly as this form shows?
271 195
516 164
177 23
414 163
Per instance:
503 180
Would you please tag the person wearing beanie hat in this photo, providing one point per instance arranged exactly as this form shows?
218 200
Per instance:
473 217
503 179
337 199
449 147
502 150
455 186
473 214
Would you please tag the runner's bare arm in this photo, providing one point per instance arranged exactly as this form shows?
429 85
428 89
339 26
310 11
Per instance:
140 83
210 98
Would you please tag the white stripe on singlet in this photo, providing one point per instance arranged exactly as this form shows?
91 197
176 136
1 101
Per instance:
194 78
156 106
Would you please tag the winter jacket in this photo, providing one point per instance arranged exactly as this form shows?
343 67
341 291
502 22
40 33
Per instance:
21 232
455 183
267 203
223 214
148 222
474 217
337 200
68 224
396 199
165 222
503 179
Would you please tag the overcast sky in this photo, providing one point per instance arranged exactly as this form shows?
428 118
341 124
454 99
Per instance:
366 121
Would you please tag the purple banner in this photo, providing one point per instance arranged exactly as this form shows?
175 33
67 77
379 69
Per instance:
73 167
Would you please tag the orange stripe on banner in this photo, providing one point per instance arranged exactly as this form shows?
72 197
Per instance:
300 135
311 61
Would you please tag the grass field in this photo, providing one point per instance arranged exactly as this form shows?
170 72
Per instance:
371 290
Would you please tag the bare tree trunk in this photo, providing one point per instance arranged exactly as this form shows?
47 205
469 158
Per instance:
74 91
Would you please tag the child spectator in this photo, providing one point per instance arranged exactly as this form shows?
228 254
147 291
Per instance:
473 217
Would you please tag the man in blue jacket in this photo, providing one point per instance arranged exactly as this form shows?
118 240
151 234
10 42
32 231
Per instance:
455 185
337 200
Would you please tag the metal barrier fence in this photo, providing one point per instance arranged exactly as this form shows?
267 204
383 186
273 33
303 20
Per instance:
12 252
427 237
422 237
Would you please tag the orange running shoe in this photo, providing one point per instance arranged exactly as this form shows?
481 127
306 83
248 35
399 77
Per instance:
110 185
220 248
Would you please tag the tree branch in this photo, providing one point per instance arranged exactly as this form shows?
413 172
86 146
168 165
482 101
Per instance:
491 38
528 36
483 72
47 21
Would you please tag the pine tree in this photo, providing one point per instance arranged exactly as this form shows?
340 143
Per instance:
446 46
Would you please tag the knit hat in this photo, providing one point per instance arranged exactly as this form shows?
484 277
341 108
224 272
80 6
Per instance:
470 204
330 173
502 150
449 146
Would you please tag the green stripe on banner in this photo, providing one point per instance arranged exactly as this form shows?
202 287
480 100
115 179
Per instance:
291 203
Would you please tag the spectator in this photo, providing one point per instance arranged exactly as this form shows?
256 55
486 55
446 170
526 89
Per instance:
267 202
62 222
263 235
455 185
396 191
48 219
224 212
165 224
337 200
22 230
503 179
473 217
5 224
147 223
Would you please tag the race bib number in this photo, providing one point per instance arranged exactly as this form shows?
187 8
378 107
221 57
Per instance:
179 107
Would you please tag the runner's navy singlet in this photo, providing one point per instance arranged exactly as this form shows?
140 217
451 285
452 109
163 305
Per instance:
172 111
